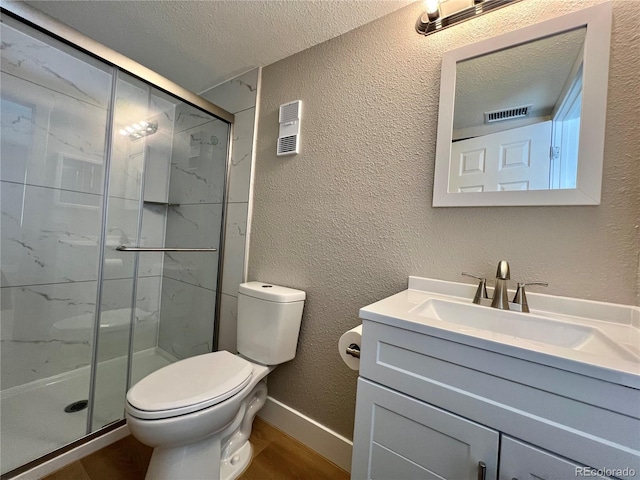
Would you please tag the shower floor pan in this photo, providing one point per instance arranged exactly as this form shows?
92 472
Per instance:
33 417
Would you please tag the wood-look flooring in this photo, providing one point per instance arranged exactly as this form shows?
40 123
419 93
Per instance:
276 456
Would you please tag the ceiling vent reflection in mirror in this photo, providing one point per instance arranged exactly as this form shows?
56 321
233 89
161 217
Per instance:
440 14
507 114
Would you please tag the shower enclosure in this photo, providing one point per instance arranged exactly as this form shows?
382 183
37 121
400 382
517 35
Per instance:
112 198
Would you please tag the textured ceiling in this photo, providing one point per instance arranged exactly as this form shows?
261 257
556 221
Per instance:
530 74
199 44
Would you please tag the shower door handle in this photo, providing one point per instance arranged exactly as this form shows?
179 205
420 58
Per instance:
124 248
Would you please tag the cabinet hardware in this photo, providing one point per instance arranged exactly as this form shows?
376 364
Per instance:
482 471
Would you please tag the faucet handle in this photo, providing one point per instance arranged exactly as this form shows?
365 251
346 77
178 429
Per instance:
481 292
521 296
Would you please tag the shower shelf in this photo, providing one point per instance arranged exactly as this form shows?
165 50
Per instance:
166 204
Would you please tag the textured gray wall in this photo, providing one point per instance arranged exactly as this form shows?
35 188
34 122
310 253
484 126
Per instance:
350 217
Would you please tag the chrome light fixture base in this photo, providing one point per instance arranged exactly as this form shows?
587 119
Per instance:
429 23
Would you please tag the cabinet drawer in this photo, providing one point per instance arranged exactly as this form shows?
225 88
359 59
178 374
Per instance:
521 461
507 393
397 436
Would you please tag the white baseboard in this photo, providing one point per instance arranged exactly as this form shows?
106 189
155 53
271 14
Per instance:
326 442
71 456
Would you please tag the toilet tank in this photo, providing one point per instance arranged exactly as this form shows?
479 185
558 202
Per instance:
269 319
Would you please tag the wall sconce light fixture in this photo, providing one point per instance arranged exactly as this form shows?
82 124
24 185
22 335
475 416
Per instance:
441 14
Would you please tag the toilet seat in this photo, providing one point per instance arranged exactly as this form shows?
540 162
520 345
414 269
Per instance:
189 385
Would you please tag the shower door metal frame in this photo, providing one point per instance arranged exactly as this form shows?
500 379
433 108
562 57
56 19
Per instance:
101 250
39 21
223 234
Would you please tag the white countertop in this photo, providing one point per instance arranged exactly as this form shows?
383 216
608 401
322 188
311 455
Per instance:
617 327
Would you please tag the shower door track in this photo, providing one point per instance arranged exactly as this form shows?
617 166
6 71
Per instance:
62 450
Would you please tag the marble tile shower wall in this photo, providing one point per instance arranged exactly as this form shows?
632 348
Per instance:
53 123
54 113
196 194
238 96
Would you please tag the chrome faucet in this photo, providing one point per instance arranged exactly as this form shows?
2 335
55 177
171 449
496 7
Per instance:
503 274
500 299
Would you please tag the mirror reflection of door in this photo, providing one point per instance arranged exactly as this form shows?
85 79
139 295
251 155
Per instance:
517 117
566 136
516 159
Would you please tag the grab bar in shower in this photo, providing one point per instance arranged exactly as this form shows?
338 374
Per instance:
124 248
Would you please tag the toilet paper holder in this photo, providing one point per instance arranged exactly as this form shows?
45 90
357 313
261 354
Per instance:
353 350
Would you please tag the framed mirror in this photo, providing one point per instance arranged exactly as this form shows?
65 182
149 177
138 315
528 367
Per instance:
522 115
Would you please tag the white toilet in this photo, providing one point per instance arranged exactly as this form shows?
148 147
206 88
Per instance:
197 413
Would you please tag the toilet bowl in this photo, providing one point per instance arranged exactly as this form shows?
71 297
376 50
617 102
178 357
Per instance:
197 413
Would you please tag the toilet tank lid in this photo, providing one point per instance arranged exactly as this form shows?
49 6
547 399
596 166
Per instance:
273 293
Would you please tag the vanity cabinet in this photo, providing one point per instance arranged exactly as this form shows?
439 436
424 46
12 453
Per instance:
521 461
409 439
428 407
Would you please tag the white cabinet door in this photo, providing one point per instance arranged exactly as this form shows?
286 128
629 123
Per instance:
521 461
398 437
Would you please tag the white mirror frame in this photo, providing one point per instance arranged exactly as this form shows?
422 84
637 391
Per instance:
597 19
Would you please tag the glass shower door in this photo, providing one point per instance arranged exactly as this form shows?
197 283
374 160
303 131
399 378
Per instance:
55 105
122 302
92 159
166 190
194 219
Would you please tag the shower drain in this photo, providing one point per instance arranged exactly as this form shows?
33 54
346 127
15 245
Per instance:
76 406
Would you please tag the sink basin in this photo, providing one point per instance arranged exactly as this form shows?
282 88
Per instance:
527 326
524 327
591 338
